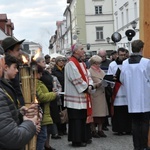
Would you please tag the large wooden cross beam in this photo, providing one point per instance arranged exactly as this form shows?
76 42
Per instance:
145 26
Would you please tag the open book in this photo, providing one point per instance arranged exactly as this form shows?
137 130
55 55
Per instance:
108 79
61 93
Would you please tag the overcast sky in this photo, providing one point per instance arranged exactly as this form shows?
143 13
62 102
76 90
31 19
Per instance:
34 20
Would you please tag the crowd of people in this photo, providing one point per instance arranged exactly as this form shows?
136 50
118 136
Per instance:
96 91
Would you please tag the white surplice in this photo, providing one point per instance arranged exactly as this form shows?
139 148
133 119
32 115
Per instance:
120 99
75 86
136 79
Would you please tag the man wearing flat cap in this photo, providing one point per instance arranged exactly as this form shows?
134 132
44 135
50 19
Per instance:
12 47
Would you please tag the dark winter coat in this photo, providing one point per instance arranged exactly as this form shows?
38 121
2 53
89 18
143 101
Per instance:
61 78
47 79
13 135
16 85
60 75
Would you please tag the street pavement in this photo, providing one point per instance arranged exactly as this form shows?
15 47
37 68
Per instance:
111 142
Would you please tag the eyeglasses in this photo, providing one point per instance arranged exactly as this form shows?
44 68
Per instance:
61 60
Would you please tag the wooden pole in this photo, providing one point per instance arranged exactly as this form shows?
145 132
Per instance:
32 143
145 26
26 90
144 33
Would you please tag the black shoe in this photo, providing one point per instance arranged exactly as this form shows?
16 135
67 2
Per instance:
56 137
105 129
60 134
78 144
120 133
49 148
83 144
65 133
95 135
128 133
89 141
102 134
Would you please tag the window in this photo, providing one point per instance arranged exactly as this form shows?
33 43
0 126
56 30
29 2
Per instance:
135 10
122 17
117 22
127 15
98 10
99 33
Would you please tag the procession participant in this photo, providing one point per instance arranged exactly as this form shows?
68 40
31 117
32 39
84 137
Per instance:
114 55
47 59
77 99
99 103
44 97
121 120
135 77
47 79
108 90
13 47
58 71
54 111
10 126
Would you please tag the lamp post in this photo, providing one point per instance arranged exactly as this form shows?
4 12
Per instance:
108 41
88 45
134 25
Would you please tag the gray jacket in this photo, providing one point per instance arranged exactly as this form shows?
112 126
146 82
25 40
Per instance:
13 135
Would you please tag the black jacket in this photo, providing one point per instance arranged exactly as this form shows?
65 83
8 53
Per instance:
59 74
15 83
47 79
13 135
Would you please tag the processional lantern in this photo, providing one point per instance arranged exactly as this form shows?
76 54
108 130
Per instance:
28 79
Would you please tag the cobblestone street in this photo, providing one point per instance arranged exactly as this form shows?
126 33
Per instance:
112 142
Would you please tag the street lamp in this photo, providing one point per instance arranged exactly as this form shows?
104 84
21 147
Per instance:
130 34
115 37
88 46
108 39
134 25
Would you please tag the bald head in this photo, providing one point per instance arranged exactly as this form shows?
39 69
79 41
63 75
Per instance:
102 53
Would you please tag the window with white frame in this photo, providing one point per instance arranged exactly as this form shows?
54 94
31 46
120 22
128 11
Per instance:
98 10
117 22
135 10
99 33
122 17
127 16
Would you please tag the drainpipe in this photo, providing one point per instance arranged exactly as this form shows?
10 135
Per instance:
70 26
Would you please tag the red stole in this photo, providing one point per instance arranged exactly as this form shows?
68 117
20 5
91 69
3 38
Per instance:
88 98
115 91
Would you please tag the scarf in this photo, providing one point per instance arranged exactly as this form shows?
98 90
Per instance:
88 98
96 69
59 68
